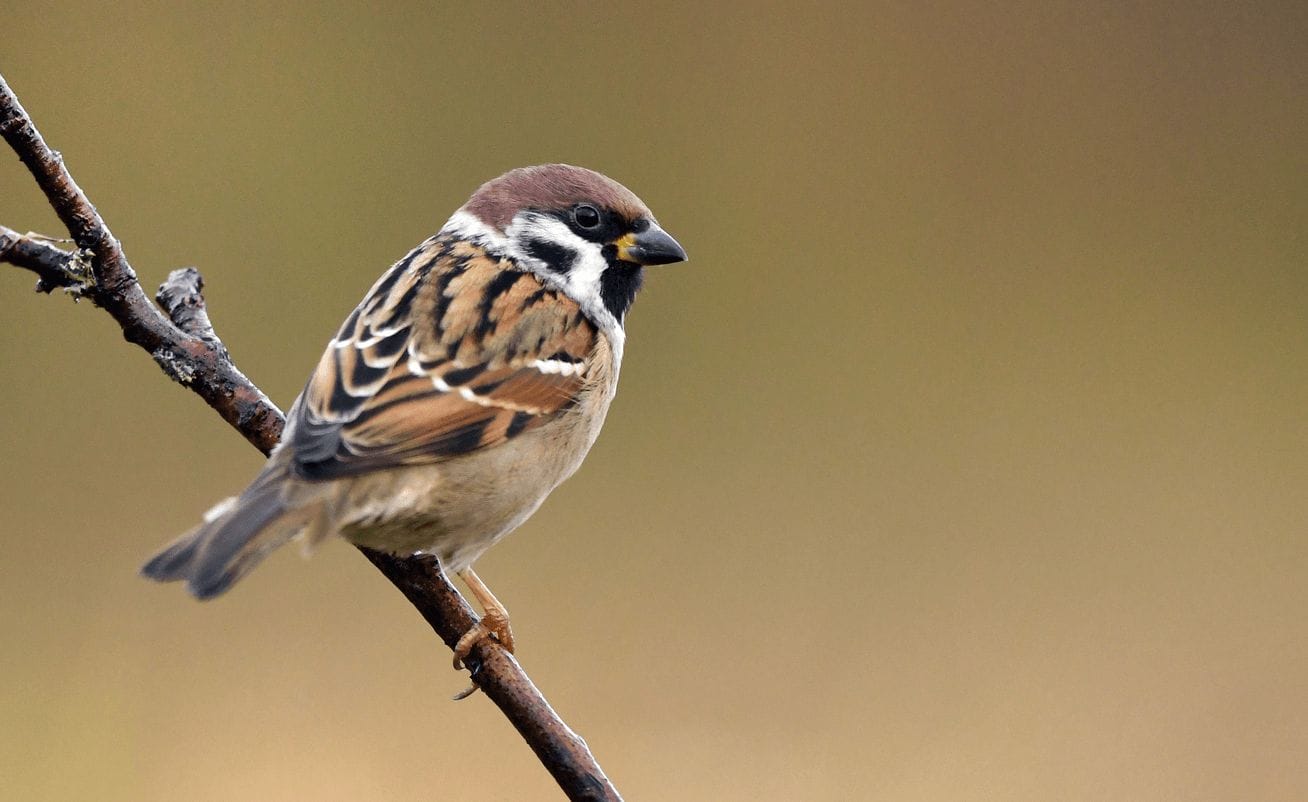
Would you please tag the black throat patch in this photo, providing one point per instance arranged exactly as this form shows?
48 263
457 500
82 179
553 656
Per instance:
619 284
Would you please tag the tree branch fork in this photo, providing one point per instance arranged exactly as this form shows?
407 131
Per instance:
176 331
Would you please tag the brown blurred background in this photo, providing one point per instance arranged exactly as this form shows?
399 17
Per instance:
965 461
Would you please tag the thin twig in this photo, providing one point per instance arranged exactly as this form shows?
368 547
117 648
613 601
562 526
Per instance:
187 360
184 344
562 751
182 297
53 266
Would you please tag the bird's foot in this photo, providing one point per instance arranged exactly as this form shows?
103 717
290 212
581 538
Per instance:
494 624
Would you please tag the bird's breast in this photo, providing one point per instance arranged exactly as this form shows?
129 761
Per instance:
458 508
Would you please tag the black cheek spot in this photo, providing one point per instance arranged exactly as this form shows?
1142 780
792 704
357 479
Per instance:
558 258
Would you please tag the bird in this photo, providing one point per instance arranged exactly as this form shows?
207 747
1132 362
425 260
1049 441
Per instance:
470 381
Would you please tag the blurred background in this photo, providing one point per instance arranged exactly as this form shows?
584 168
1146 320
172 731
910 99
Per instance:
966 460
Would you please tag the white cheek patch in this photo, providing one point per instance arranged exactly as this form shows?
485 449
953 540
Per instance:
581 282
469 227
586 266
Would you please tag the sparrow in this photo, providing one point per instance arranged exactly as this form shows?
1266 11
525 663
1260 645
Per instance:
470 382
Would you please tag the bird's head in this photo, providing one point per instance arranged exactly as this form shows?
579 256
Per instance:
578 230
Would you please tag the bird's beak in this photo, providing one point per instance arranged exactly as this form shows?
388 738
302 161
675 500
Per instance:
653 246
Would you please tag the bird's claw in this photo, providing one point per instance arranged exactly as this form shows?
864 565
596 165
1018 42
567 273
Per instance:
493 625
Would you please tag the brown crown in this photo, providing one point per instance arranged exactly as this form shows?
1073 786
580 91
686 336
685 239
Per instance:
550 187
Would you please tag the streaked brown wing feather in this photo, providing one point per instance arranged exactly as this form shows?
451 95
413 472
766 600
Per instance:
450 352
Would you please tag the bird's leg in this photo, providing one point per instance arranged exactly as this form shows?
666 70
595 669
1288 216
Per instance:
494 620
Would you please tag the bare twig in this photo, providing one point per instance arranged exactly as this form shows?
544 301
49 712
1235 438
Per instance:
562 751
53 266
188 360
184 344
181 296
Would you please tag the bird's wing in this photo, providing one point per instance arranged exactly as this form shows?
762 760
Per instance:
450 352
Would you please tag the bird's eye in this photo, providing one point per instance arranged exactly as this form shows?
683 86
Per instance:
587 216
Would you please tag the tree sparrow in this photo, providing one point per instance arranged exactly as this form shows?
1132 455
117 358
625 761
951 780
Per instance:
470 382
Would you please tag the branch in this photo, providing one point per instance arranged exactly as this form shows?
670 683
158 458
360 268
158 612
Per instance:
54 267
112 285
182 341
181 296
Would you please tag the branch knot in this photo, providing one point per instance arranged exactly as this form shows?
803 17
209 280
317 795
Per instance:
182 297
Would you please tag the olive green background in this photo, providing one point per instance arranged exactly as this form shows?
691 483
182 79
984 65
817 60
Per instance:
966 459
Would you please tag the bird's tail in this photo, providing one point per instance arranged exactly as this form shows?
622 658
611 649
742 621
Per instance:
235 535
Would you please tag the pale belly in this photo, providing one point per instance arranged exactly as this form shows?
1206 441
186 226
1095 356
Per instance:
459 508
